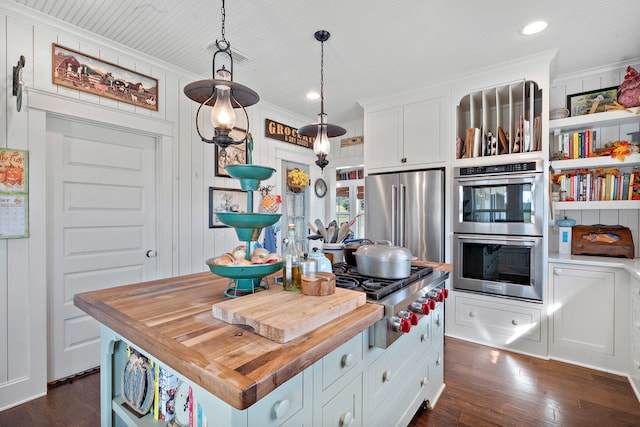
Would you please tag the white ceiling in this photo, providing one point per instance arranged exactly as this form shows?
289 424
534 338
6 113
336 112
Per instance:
377 48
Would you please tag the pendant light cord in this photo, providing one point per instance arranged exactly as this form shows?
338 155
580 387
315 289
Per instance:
322 78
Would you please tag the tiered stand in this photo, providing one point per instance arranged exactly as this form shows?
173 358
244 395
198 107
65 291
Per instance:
248 226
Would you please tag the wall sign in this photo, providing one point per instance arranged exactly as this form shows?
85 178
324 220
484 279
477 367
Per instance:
14 193
286 133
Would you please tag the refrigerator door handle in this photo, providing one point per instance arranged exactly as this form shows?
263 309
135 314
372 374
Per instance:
394 211
401 216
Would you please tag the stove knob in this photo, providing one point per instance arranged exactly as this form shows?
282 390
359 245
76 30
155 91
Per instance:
405 325
440 296
425 308
432 304
445 292
413 318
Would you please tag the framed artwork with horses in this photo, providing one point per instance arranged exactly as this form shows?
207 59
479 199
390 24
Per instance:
79 71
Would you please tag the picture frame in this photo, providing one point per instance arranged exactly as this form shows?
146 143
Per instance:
593 101
234 155
86 73
225 200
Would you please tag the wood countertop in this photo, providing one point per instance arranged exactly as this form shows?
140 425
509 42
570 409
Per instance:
172 320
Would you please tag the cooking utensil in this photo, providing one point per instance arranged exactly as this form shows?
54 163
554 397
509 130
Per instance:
383 260
321 229
331 231
343 232
351 248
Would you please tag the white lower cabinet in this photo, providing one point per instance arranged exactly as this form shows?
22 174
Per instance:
588 307
354 385
406 374
498 322
634 342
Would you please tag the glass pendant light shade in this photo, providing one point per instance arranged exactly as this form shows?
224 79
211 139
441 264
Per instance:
321 145
222 114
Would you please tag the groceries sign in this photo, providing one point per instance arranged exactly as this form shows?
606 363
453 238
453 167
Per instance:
286 133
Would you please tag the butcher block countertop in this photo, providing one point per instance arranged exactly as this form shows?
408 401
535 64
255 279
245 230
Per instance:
172 320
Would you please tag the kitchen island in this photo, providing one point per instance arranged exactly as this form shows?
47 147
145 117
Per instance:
239 377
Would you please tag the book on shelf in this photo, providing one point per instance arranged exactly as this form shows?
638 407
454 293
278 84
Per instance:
577 145
588 185
168 385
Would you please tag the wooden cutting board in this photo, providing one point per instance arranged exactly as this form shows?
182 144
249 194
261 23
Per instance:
282 316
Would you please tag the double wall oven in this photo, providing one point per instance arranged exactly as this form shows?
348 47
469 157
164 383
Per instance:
498 228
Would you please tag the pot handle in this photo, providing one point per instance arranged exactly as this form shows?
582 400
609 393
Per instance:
383 243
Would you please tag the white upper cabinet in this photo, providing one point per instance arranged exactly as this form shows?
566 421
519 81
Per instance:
406 136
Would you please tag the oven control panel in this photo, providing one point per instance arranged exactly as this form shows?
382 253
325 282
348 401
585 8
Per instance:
534 166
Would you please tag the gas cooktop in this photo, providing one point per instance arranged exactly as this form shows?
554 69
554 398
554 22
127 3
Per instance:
376 288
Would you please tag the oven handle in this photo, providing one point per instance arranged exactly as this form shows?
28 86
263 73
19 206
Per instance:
525 241
498 177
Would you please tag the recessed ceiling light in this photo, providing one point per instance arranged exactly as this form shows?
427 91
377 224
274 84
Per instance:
534 27
313 96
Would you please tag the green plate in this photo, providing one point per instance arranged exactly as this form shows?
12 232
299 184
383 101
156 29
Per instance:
256 271
247 219
249 175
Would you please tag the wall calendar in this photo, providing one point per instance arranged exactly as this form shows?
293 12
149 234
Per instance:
14 193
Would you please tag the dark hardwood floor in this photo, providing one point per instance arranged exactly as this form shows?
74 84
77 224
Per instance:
484 387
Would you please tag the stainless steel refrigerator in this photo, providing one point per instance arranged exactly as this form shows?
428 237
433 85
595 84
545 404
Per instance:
407 208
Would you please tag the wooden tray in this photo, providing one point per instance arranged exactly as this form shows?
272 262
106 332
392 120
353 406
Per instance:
282 316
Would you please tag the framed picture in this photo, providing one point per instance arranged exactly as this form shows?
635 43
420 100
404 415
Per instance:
86 73
225 200
594 101
234 155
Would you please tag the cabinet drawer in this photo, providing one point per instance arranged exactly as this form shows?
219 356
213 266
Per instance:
345 408
341 360
504 319
420 336
281 404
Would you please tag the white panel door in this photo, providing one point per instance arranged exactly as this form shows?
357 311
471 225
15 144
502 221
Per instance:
101 203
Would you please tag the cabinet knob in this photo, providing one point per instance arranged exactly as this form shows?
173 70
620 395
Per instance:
557 271
346 419
515 322
281 407
472 314
403 160
347 360
386 376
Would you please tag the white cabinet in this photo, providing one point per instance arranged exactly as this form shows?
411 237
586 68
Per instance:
499 322
588 311
407 135
338 386
634 361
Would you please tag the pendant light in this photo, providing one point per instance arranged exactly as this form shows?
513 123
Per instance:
225 97
322 130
